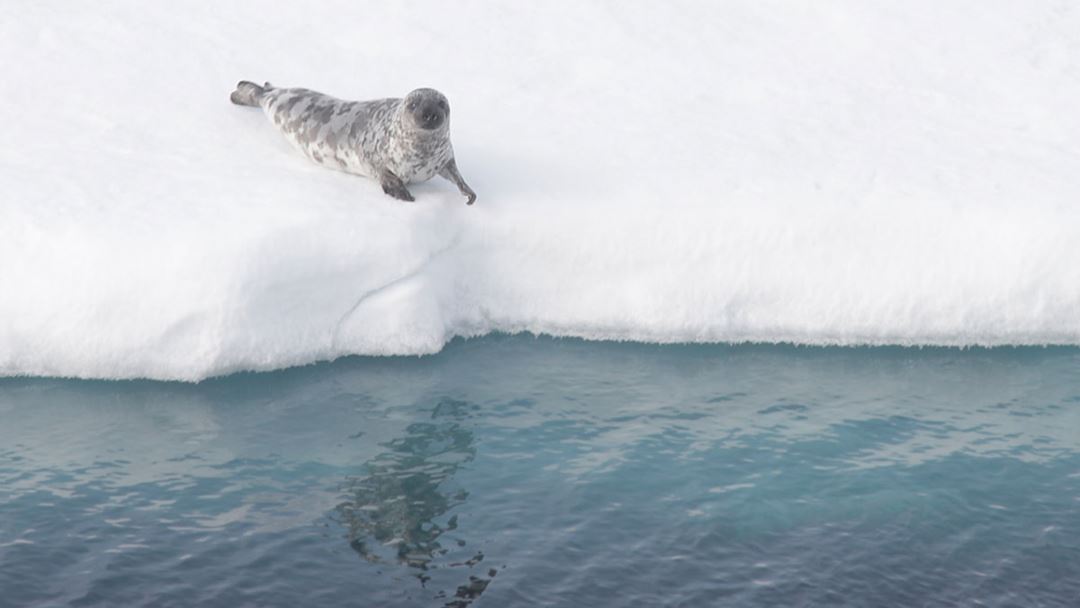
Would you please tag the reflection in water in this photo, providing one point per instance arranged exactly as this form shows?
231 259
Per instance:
394 514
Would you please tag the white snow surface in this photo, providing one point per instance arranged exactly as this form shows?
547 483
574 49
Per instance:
838 172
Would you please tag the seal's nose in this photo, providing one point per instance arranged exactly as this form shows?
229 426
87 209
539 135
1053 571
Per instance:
431 117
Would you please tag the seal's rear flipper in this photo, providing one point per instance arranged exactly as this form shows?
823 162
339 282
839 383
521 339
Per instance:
247 93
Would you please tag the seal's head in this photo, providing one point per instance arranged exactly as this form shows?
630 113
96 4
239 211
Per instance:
426 109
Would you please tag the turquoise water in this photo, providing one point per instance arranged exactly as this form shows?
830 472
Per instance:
512 471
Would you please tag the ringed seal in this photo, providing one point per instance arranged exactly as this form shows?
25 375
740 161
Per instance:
396 141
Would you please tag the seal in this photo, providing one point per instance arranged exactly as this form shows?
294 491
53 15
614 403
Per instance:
396 141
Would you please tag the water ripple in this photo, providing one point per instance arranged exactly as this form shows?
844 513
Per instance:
517 471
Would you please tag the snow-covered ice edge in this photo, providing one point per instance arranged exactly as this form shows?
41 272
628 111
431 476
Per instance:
836 174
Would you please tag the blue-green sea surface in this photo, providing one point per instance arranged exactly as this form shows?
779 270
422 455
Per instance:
513 471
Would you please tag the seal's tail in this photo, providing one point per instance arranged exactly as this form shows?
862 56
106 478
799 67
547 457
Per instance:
248 93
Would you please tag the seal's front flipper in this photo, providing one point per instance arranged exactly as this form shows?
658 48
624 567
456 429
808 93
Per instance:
392 185
450 172
247 93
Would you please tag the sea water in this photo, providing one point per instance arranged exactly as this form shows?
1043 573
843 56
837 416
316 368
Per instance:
515 471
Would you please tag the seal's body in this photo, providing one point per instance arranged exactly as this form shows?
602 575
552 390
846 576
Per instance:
396 141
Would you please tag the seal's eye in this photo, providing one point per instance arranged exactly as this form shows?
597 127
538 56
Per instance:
442 104
411 105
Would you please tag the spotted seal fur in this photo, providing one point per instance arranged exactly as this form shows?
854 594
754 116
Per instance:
396 141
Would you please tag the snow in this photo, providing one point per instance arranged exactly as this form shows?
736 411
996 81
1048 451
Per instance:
840 172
